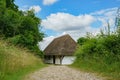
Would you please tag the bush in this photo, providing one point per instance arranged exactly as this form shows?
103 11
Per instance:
100 54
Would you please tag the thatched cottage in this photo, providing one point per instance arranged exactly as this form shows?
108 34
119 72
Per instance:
60 50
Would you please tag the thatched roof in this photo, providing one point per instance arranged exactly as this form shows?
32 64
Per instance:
63 45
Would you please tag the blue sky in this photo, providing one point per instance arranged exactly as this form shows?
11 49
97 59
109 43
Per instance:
73 17
75 7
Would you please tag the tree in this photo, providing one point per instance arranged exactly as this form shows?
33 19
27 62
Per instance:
20 28
82 40
10 4
10 23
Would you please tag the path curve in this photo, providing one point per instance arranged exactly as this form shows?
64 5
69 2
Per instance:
61 73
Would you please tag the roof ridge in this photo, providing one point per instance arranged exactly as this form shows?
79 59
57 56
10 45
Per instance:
62 36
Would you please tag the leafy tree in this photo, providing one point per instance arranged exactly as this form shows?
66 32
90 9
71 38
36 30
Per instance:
11 5
20 28
2 6
82 40
2 11
10 23
29 30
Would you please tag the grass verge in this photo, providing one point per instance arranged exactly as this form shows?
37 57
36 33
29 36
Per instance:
109 71
16 62
20 74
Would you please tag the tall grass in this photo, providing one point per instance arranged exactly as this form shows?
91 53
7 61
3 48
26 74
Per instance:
15 62
101 55
100 65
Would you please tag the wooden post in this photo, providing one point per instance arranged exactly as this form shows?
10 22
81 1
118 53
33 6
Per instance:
61 58
54 59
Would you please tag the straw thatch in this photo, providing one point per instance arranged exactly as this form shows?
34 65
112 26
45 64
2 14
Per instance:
63 45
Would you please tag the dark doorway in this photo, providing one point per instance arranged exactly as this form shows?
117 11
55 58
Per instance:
53 59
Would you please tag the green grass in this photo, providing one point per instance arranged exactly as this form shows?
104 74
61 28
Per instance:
20 74
111 71
16 62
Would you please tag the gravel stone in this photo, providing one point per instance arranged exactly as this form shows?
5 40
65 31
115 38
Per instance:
61 73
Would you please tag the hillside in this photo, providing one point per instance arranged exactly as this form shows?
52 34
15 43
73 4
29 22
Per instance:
16 62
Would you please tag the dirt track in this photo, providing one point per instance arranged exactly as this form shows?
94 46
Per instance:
61 73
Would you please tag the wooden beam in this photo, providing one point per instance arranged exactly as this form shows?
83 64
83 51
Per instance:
61 58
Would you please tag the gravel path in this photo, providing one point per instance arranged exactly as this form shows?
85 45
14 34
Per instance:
60 73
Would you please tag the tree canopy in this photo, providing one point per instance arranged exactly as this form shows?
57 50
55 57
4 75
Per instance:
20 28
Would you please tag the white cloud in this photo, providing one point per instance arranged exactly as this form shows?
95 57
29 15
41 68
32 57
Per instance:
49 2
46 41
77 26
36 8
109 11
105 16
66 21
24 8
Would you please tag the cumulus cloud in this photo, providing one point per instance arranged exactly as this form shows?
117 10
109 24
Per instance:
46 41
77 26
105 12
105 16
36 8
49 2
24 8
66 21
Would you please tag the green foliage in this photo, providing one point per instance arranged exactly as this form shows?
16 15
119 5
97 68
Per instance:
82 40
14 40
16 62
10 5
20 28
10 23
119 22
2 6
100 54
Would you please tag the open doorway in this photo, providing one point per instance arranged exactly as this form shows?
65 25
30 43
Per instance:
53 59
